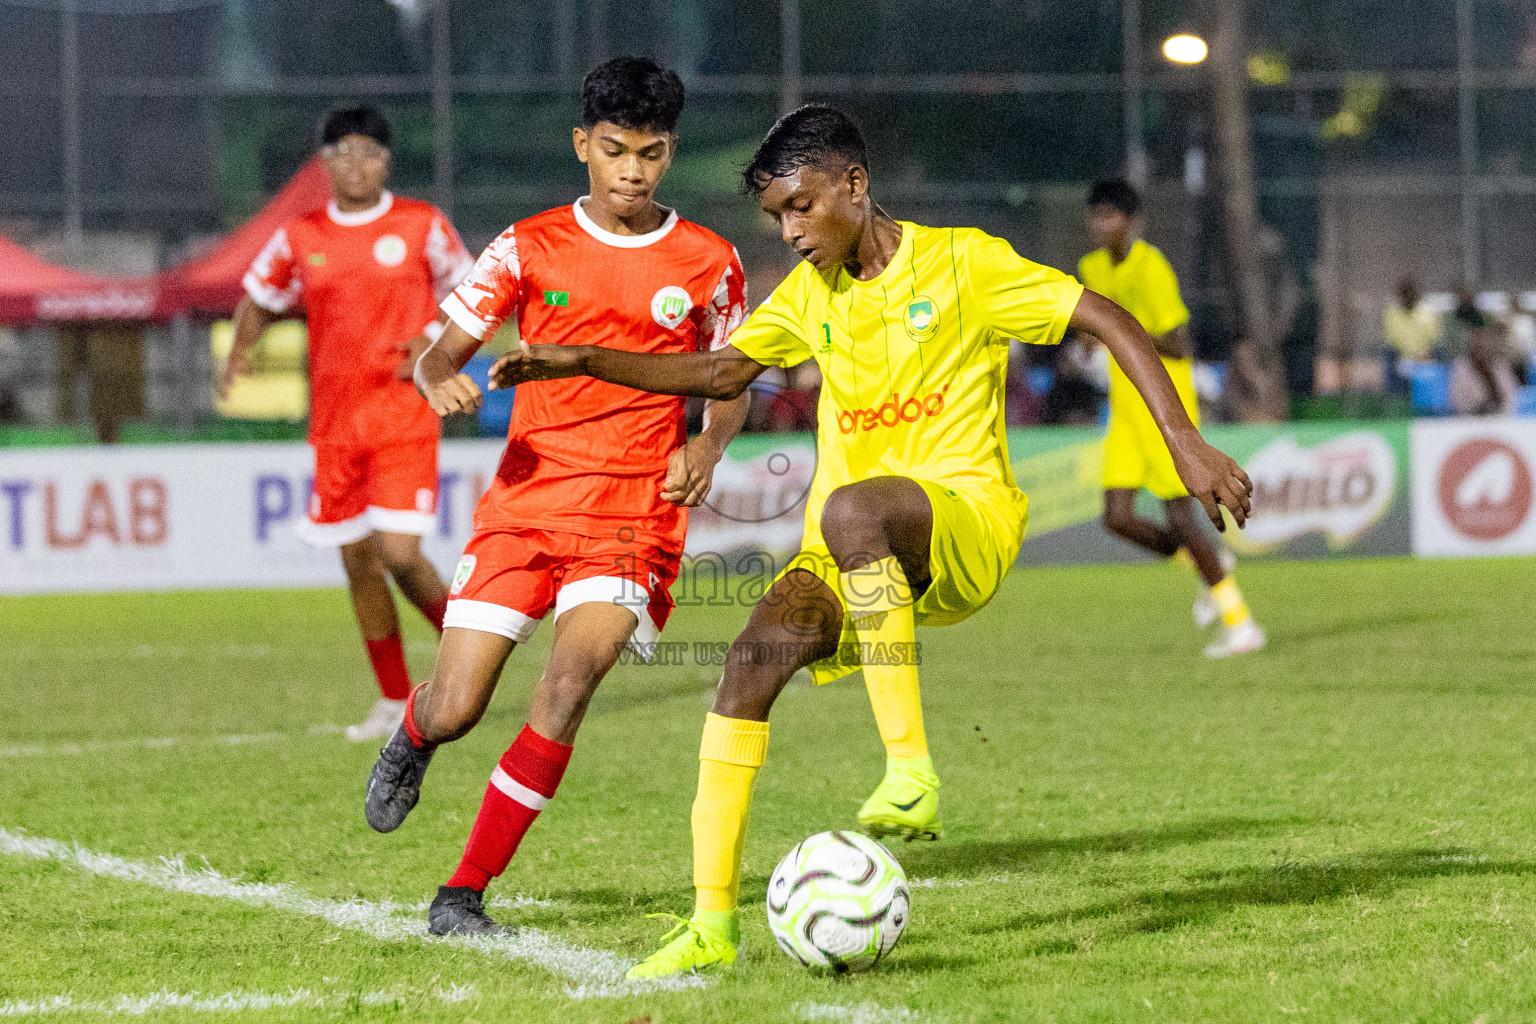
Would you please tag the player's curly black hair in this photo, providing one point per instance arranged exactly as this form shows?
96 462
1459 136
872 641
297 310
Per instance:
1115 192
365 121
632 92
815 135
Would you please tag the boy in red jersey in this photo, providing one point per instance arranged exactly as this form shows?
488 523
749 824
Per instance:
587 513
369 271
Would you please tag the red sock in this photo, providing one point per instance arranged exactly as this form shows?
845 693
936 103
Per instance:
409 721
388 657
434 613
520 786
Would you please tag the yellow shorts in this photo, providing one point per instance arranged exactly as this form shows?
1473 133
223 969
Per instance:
975 541
1135 454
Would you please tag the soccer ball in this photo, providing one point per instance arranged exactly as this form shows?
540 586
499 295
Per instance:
838 900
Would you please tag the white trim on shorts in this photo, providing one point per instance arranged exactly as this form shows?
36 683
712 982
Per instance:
398 520
614 590
332 535
350 531
490 618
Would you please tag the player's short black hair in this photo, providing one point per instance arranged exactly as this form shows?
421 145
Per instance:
815 135
1116 192
632 92
365 120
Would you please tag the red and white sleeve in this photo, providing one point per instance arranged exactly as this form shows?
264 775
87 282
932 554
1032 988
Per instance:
727 308
271 282
449 261
487 298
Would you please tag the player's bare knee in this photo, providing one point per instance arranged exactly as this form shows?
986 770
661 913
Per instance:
852 526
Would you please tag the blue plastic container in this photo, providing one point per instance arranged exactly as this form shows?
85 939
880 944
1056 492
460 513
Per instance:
496 408
1040 379
1525 401
1430 385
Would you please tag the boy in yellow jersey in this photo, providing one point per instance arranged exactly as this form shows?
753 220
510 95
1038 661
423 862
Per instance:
913 515
1137 276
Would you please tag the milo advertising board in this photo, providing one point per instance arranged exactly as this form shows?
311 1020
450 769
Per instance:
1320 490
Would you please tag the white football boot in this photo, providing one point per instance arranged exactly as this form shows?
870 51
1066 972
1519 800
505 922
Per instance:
1205 611
382 720
1242 638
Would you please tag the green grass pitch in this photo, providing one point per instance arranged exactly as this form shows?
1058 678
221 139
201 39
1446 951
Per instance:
1340 828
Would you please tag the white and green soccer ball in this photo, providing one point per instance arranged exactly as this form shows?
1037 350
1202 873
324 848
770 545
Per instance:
838 900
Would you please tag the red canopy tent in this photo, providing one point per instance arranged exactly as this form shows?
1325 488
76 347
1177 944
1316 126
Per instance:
33 290
211 284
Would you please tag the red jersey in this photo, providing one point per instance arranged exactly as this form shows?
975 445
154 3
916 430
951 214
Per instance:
368 281
584 456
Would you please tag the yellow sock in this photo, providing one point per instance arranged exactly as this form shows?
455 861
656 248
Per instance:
731 752
879 601
1234 610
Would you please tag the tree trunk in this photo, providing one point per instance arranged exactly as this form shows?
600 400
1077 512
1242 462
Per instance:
1256 374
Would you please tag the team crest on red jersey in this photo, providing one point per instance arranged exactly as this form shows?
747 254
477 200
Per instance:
389 250
670 306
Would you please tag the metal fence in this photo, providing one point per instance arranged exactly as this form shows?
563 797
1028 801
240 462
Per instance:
1393 136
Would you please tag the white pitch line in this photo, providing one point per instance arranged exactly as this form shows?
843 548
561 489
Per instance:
596 973
226 1002
148 743
163 742
863 1013
966 883
172 651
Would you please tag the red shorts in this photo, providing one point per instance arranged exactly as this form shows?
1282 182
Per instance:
508 580
359 490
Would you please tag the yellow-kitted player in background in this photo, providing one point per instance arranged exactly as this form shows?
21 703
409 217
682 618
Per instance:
1138 277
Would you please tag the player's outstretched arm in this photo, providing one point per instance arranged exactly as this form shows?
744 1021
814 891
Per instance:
251 322
691 469
721 375
437 375
412 348
1211 476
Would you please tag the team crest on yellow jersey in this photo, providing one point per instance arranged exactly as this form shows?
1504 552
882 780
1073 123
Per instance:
922 318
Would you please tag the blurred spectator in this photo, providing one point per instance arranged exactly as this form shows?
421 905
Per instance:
111 357
1081 385
796 406
784 400
1520 333
1482 382
1413 329
1022 407
10 374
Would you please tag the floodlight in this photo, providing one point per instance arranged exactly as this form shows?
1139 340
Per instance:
1185 49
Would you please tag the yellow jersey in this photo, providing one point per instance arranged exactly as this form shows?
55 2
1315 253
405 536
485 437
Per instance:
913 361
1145 284
1135 454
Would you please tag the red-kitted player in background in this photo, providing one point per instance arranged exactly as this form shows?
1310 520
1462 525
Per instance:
368 273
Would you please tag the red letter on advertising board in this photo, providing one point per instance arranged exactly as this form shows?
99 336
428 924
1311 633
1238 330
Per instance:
148 523
51 520
97 516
